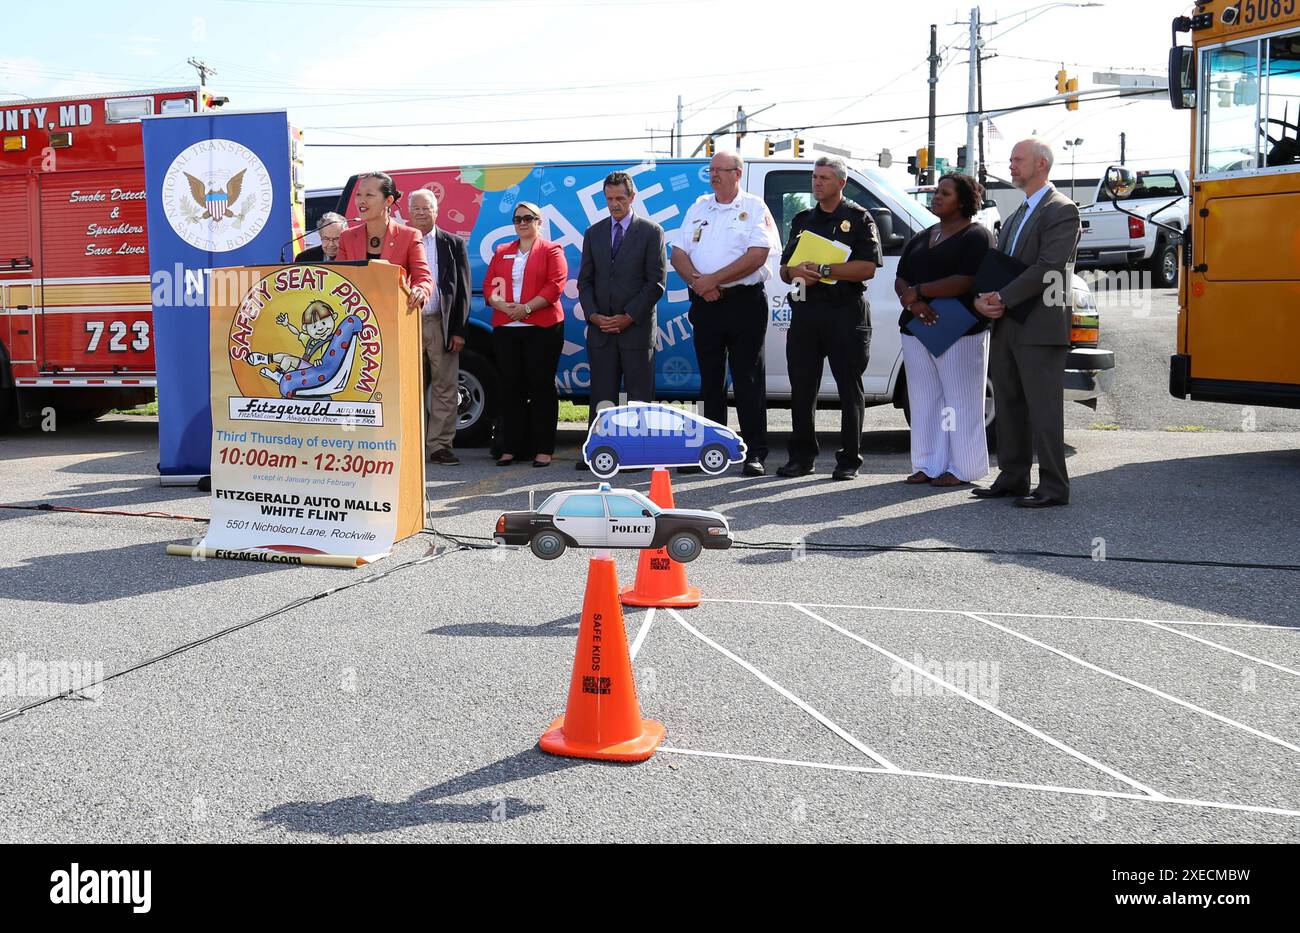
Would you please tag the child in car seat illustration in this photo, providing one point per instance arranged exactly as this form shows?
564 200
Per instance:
326 358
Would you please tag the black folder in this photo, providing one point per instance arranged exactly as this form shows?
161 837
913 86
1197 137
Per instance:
995 272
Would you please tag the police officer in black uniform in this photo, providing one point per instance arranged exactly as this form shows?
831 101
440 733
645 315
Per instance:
829 321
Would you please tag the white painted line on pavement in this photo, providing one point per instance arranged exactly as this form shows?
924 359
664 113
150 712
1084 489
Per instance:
1141 686
1055 743
989 782
1215 644
888 765
642 632
1011 615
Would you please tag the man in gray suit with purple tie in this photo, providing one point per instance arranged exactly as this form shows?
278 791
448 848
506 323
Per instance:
623 275
1031 317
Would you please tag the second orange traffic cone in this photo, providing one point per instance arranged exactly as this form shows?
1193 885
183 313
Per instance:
602 718
660 580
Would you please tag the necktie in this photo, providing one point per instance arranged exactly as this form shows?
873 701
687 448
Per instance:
618 241
1012 229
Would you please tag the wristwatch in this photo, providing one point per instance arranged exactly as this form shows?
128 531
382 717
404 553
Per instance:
824 270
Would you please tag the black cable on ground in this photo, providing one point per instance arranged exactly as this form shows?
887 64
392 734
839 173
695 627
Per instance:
181 649
50 507
467 542
831 547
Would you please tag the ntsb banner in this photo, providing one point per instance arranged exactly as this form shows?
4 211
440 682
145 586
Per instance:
219 193
312 408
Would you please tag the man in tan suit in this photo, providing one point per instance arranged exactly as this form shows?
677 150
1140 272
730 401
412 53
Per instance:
1031 335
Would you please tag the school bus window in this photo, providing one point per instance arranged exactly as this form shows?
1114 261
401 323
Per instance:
1283 114
1231 106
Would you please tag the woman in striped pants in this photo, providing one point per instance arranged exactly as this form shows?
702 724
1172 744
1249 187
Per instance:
946 393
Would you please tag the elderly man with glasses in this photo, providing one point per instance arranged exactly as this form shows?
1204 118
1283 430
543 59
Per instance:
330 227
721 252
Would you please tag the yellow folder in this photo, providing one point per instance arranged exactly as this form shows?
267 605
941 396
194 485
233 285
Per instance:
817 249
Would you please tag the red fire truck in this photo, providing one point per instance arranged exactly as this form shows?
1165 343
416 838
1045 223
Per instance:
75 319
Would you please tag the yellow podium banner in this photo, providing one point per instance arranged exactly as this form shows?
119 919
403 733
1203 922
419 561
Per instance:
317 413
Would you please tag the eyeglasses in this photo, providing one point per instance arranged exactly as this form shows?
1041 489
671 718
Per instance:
526 219
720 171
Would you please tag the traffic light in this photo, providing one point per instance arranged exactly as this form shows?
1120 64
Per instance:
798 148
911 166
1072 103
961 158
1061 81
708 147
923 159
767 148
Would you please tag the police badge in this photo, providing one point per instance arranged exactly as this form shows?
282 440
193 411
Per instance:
844 226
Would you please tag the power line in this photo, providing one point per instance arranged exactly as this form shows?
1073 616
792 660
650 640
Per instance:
778 129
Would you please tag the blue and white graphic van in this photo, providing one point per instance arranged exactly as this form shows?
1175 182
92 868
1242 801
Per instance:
476 202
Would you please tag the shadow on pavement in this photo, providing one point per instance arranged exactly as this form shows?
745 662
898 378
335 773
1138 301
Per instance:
363 814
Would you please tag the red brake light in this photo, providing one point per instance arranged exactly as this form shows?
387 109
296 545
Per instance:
1137 228
501 525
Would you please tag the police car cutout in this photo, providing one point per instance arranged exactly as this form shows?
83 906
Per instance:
612 518
646 434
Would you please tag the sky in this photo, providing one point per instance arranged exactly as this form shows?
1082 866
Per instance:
518 74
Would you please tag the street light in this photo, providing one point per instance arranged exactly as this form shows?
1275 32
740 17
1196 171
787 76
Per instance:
1072 145
1037 11
704 103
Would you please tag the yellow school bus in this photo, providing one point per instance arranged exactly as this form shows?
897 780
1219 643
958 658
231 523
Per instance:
1239 294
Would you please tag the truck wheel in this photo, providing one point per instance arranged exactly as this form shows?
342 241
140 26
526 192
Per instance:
713 460
480 389
604 462
547 545
684 547
1164 265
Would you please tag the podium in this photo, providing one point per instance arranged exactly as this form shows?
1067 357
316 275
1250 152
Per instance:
317 414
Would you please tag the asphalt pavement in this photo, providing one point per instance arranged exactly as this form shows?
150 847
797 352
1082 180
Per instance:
1140 689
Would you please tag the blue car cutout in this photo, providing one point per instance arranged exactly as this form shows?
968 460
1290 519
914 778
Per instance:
646 434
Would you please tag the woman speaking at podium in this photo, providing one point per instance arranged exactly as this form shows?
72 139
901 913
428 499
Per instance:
381 237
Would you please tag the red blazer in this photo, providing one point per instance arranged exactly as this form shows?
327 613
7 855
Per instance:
402 246
544 274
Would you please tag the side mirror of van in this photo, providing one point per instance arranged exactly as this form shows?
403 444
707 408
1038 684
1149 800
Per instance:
890 242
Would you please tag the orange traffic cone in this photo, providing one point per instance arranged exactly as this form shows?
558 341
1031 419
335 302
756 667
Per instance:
603 718
660 580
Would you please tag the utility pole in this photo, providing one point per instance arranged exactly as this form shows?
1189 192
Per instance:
979 84
203 68
678 145
972 96
1123 147
742 126
934 84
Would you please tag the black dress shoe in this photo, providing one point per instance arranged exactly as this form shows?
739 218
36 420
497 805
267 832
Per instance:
845 473
504 462
754 468
1036 501
994 493
444 456
793 469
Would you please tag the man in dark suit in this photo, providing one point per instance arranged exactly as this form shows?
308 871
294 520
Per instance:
443 324
330 227
623 275
1031 335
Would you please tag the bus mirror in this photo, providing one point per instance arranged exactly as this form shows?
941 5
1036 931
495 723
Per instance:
1182 78
1120 182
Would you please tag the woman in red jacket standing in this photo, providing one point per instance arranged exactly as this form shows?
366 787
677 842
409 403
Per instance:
523 286
381 237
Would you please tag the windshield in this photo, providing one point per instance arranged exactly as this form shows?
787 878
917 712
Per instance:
903 201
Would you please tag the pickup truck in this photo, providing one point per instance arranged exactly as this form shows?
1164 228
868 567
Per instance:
1112 240
475 202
